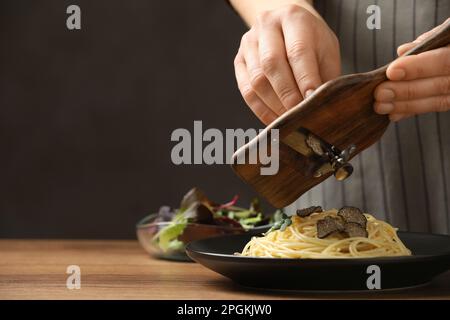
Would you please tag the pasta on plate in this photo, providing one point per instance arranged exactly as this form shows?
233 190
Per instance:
300 239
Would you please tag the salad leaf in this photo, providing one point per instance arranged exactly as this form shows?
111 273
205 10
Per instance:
167 237
194 195
243 214
199 213
175 245
281 221
225 221
228 204
255 205
251 222
195 207
278 215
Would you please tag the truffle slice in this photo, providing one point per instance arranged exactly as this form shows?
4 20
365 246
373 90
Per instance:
314 143
355 230
329 225
308 211
353 215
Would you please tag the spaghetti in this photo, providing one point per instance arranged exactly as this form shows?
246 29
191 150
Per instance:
299 240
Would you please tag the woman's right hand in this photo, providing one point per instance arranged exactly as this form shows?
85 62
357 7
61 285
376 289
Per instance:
283 58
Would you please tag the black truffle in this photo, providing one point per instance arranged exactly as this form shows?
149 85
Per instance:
355 230
329 225
314 143
353 215
308 211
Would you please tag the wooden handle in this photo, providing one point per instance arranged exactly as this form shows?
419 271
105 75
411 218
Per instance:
341 113
440 39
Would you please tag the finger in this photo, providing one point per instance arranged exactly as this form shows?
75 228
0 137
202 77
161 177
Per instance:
275 65
258 80
330 66
424 65
301 56
402 49
259 108
418 106
411 90
399 116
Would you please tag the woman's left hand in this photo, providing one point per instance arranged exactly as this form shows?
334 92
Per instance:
417 84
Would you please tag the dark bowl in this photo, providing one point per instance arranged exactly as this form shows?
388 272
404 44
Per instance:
147 233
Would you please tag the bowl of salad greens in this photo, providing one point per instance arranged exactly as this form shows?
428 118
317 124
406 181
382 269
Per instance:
166 233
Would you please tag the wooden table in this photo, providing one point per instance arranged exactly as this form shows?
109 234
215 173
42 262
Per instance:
36 269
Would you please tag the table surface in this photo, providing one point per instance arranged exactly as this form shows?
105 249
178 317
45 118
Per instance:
111 269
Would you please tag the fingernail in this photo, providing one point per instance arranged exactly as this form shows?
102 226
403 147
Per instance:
308 93
401 50
385 95
397 74
395 117
384 108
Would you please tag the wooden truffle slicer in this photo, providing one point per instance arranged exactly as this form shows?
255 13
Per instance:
320 135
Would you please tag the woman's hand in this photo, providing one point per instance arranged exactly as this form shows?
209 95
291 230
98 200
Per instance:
288 53
417 83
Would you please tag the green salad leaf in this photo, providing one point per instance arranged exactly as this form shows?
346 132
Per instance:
175 245
167 238
248 223
197 208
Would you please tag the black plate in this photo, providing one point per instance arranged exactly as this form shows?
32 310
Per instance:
431 256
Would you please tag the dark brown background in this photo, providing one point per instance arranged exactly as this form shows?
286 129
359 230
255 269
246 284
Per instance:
86 116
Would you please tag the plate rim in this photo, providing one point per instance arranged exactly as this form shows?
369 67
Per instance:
346 261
